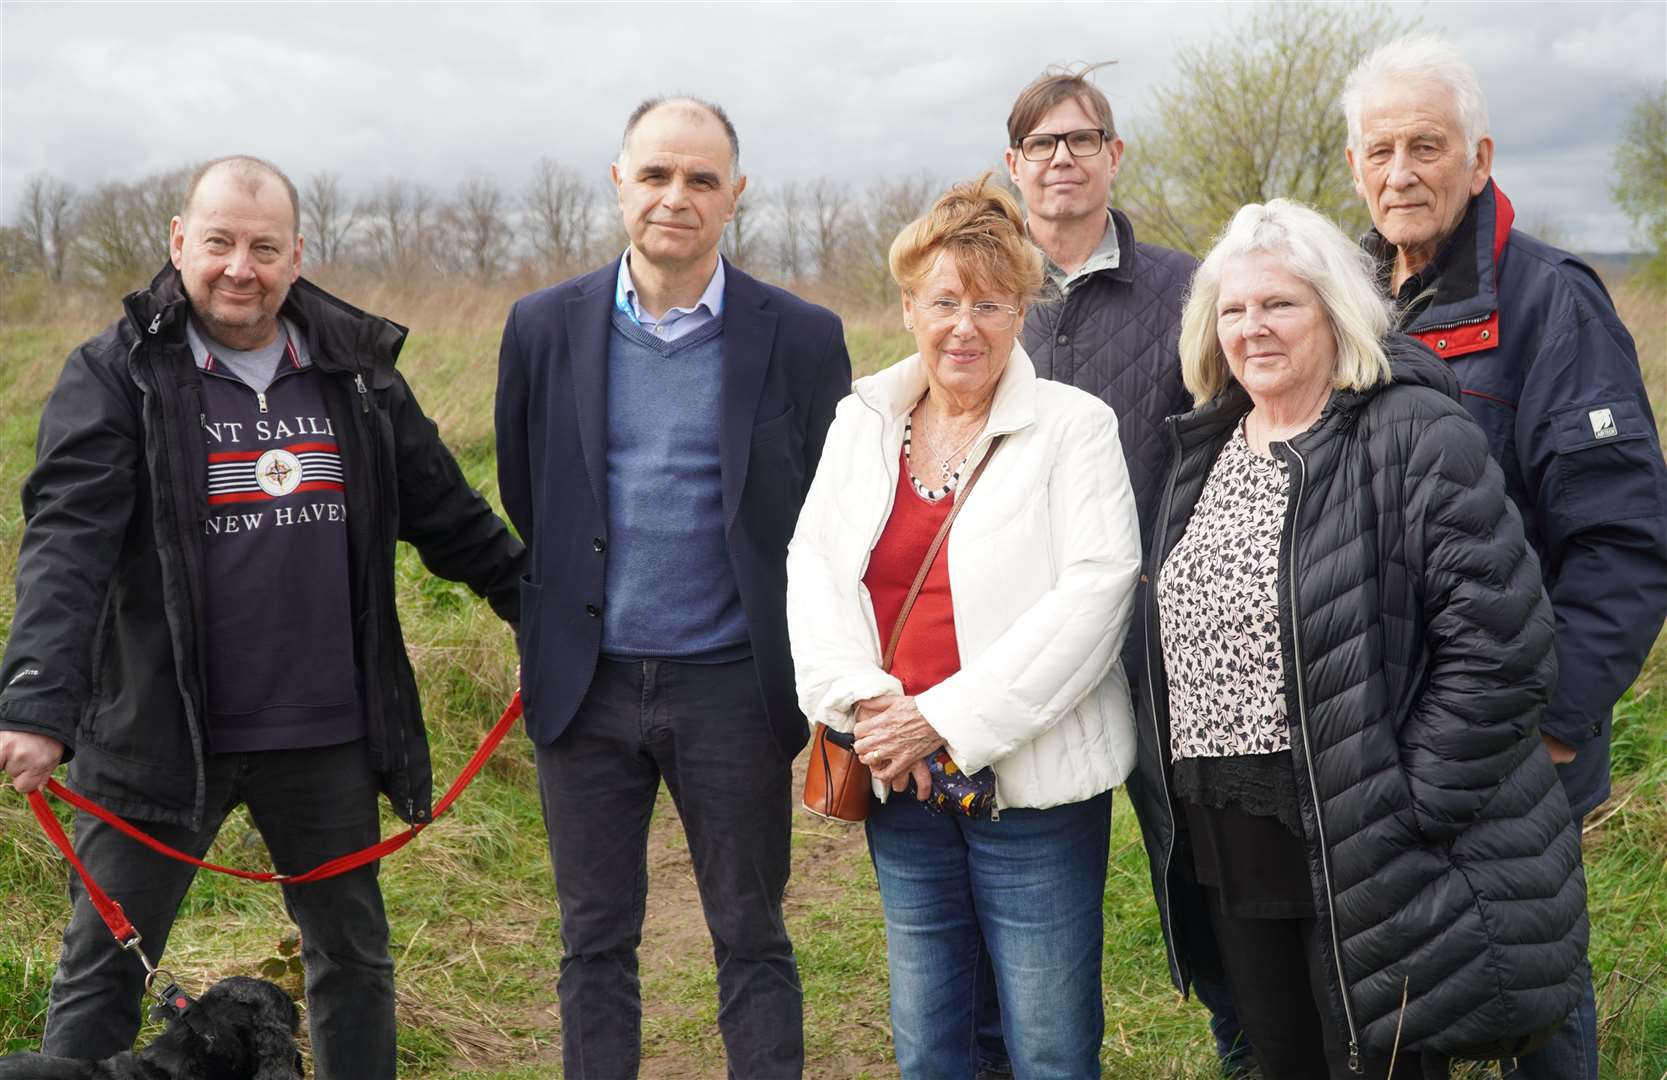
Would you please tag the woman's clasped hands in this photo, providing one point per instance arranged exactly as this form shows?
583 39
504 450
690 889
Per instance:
894 740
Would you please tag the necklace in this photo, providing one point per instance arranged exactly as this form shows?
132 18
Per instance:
950 477
947 461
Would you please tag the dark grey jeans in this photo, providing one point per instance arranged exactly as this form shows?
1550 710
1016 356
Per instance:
310 806
702 727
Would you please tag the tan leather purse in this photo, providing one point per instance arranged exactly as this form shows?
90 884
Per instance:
838 786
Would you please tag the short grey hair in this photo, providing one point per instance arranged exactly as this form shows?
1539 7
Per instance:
694 106
1421 59
1315 250
250 172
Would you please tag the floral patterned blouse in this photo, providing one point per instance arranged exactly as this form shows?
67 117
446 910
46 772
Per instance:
1219 614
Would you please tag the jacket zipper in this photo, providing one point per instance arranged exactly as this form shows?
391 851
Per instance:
880 528
1159 742
187 537
1450 325
1308 762
392 730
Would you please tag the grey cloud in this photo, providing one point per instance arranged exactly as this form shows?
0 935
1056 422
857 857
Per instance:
858 92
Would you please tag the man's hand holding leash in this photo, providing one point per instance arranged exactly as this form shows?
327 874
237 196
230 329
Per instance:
29 758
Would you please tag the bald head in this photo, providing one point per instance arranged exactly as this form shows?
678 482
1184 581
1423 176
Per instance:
692 110
248 174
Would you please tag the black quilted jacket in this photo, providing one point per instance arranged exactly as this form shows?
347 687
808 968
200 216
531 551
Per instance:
1417 659
1115 336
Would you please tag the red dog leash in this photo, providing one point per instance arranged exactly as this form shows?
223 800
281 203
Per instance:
128 937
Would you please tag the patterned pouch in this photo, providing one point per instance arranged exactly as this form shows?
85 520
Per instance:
955 792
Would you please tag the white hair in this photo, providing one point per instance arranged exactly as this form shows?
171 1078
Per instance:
1316 251
1414 60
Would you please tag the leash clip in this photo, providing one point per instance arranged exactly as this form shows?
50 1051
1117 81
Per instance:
172 1003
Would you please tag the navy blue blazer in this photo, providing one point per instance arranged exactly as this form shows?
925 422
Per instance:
784 369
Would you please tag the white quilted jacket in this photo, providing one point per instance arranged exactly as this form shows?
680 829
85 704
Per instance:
1042 569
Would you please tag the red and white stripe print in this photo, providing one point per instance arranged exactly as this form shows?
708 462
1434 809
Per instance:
231 473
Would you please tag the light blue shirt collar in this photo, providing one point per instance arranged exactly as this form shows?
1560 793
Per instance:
678 321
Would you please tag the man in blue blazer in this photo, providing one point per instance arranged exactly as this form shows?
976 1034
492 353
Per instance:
659 421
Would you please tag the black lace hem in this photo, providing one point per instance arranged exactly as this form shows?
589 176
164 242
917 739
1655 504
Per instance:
1262 785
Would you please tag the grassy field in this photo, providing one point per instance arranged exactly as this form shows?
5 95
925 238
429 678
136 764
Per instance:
472 903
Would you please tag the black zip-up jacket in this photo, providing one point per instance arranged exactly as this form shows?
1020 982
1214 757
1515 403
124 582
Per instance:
105 653
1417 655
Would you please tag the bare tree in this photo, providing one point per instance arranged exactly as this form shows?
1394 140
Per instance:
17 256
741 242
398 223
560 206
477 233
789 246
121 231
891 205
830 212
47 217
1252 115
327 218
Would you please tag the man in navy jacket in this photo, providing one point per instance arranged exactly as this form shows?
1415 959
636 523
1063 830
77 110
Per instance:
659 421
1551 375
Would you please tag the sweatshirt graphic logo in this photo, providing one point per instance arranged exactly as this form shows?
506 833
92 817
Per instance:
238 476
278 472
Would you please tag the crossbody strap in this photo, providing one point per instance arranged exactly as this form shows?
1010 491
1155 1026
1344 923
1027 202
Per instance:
932 554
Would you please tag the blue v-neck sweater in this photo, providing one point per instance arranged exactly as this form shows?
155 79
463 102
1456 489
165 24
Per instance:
670 589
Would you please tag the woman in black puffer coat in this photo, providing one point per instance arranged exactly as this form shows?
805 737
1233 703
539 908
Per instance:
1340 774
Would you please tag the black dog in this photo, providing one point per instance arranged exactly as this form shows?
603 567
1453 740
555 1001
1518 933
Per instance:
242 1029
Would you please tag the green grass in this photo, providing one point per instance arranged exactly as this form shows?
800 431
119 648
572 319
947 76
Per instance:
472 907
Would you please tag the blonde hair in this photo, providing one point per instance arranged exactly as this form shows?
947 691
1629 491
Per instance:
1316 251
980 226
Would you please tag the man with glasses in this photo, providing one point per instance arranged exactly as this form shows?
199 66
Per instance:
1108 322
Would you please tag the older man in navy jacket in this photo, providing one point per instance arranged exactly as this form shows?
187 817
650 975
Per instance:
1551 375
659 421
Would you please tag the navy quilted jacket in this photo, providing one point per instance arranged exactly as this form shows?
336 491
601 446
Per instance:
1115 336
1418 657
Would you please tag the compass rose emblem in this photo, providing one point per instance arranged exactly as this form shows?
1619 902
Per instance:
278 472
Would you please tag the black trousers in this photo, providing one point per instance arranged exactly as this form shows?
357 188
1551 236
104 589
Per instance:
1274 967
702 728
310 806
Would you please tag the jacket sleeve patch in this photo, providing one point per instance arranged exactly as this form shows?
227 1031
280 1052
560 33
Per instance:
1581 427
1608 467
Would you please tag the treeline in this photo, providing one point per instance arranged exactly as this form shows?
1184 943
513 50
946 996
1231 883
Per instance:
1247 116
552 223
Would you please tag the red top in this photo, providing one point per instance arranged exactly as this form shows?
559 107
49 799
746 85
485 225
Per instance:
928 652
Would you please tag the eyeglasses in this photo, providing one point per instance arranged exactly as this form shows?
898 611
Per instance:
986 314
1084 143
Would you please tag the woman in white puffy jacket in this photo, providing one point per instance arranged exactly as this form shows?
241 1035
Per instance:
1005 708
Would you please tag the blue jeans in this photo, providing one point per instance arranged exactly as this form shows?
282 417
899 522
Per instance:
1572 1053
1028 888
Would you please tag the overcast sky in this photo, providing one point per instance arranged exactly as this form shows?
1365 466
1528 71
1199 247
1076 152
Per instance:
435 92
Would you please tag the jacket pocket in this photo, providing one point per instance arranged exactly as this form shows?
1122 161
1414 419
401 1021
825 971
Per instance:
774 427
1608 466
